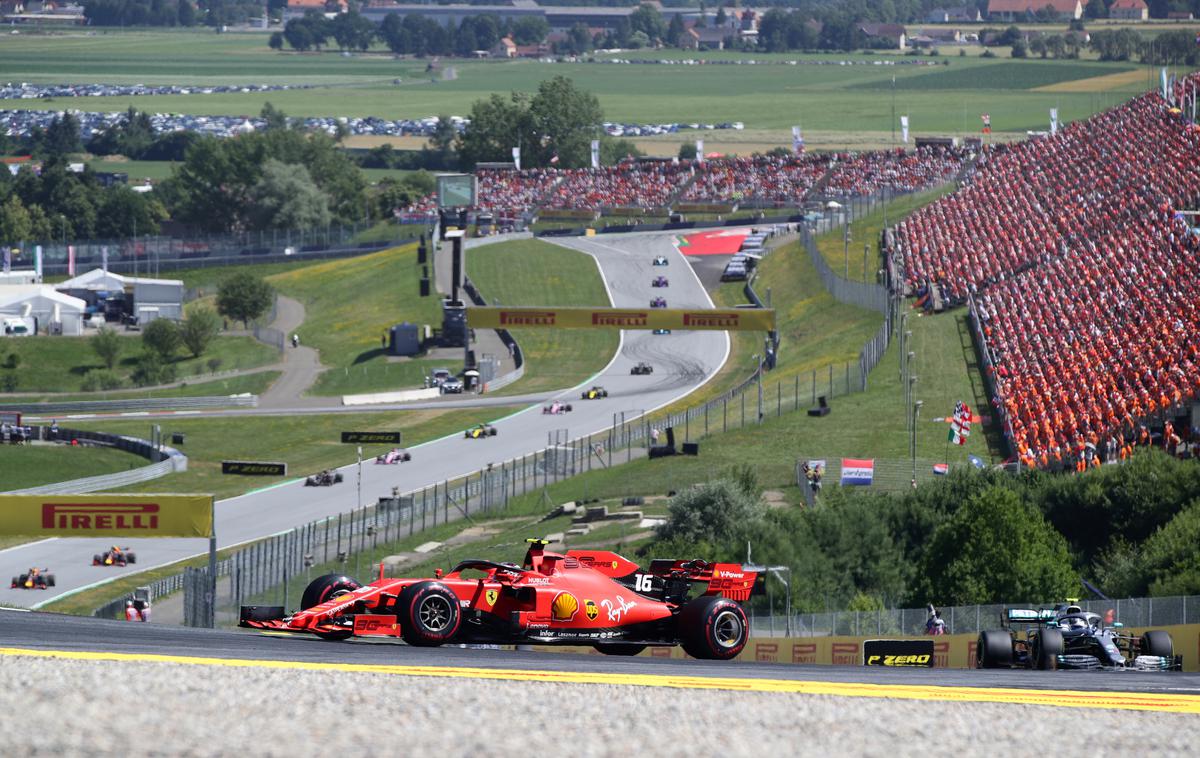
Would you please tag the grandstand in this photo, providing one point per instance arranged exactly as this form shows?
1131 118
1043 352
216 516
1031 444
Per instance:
1082 280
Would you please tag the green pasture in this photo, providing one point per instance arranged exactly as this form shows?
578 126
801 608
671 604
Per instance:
59 364
34 465
307 443
532 272
349 305
941 98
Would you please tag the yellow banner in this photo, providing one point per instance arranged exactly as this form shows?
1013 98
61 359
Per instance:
734 319
106 515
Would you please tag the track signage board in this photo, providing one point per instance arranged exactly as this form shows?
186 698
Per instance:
254 468
905 653
736 320
371 438
106 515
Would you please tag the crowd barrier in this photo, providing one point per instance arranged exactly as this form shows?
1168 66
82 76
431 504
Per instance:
166 460
134 404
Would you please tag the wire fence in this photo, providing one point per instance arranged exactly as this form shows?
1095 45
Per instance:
971 619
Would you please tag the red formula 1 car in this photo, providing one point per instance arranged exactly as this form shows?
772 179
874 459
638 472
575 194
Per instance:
586 597
33 579
114 556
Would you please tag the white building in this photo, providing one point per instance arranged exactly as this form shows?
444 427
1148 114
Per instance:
47 311
152 298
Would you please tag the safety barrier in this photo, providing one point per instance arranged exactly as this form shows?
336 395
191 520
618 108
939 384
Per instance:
167 460
244 400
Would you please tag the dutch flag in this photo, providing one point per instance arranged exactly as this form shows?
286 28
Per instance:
857 472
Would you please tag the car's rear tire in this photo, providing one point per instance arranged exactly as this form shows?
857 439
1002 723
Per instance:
994 650
429 614
711 627
1158 643
130 558
326 587
1047 648
97 559
619 648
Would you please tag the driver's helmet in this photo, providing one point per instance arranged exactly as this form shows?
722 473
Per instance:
34 571
115 549
1072 623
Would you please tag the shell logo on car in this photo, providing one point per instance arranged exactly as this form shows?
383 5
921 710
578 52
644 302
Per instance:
564 606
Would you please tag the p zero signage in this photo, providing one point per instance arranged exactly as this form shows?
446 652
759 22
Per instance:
738 319
254 468
901 653
367 438
106 515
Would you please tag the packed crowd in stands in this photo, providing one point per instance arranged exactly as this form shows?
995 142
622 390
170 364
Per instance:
644 184
764 178
859 174
1084 278
513 192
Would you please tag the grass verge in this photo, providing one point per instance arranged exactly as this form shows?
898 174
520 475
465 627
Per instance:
255 384
34 465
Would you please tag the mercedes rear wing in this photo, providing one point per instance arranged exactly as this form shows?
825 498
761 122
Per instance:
1027 616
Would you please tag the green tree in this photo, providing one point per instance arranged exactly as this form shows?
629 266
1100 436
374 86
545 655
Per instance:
107 345
15 224
1019 49
498 124
530 30
152 369
1095 9
244 297
286 197
199 329
274 118
647 20
721 18
995 549
186 13
161 336
675 30
710 513
565 120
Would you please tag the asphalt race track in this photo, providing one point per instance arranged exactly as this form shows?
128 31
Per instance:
682 362
47 631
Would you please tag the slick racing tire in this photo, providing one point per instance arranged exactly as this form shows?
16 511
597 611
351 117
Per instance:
326 587
131 558
50 580
713 628
619 648
97 559
1158 643
429 614
994 650
1047 646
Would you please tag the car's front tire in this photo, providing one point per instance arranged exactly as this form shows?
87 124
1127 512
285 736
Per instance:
994 650
429 614
1157 643
711 627
325 588
1048 645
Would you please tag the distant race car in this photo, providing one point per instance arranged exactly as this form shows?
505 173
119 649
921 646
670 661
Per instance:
480 430
658 302
395 455
660 260
556 408
662 331
33 579
659 281
1068 637
642 369
323 479
595 393
585 597
114 556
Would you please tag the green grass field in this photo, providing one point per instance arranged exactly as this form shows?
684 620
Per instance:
34 465
939 99
306 443
255 384
59 364
349 305
532 272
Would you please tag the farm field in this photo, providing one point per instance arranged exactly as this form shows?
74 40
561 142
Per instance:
946 98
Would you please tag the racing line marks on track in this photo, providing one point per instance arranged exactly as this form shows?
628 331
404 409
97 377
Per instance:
1062 698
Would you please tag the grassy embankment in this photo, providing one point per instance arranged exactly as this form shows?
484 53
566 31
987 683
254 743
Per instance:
531 272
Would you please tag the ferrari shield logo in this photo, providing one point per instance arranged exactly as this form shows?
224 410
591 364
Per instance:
491 596
589 607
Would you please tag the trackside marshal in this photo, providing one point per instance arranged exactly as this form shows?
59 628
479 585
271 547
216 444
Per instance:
106 515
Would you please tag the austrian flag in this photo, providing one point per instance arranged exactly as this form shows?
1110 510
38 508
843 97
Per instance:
960 425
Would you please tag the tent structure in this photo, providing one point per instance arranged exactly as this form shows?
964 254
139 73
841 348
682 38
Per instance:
49 311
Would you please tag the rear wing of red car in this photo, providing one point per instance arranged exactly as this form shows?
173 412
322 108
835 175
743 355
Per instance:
729 579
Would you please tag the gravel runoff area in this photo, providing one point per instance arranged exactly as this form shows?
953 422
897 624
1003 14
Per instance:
65 707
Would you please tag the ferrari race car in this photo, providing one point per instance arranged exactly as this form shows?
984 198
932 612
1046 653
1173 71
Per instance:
395 455
556 408
480 430
658 302
659 281
660 260
595 393
1068 637
642 369
114 556
33 579
323 479
585 597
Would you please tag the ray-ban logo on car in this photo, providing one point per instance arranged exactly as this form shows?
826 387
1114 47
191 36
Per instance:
100 515
710 319
532 318
620 318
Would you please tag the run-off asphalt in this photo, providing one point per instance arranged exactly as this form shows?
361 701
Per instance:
86 707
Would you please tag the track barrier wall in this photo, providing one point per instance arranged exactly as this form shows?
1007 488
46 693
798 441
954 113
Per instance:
165 459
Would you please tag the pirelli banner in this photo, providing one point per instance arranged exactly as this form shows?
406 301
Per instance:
734 319
106 515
